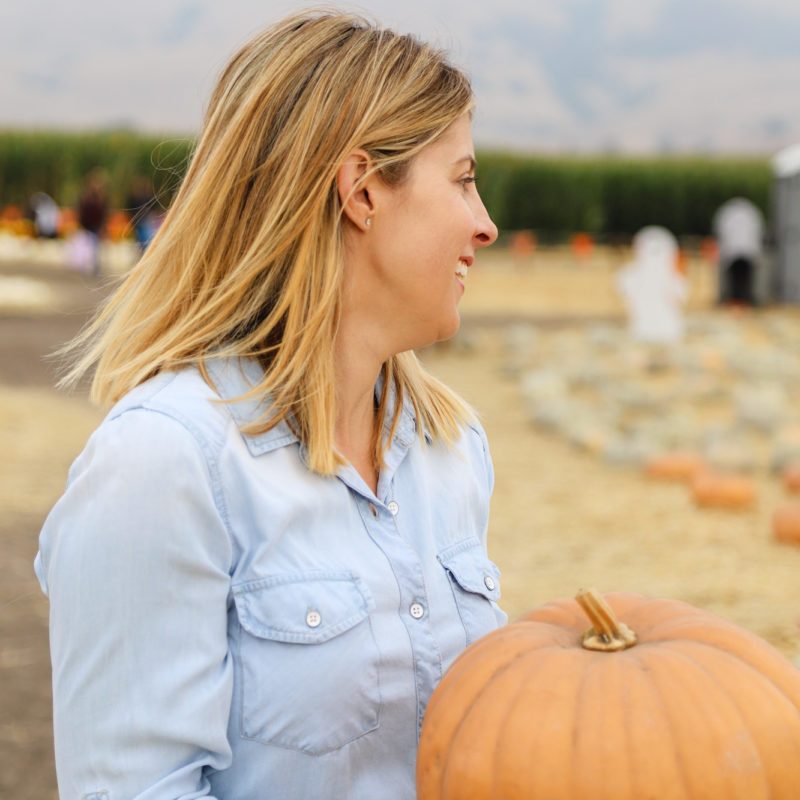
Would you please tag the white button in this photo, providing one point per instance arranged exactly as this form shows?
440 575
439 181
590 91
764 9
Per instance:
393 507
416 610
489 581
313 619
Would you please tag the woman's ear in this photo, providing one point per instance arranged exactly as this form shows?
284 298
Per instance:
355 188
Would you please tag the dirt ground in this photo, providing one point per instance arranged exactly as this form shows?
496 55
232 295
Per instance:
562 518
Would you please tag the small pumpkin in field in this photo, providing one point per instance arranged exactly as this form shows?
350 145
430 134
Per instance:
674 703
791 477
678 465
786 522
723 490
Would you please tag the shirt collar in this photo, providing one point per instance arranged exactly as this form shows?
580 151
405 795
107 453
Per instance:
236 377
406 430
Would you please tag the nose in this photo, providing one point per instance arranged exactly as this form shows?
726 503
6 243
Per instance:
485 230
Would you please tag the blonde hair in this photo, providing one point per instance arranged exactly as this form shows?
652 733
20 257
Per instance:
249 259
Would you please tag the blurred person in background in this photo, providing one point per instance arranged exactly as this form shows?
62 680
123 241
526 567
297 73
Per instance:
274 545
92 215
45 213
142 208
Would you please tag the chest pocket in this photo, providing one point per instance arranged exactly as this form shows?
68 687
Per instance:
307 660
475 581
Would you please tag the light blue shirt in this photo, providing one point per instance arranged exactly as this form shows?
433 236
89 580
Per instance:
225 623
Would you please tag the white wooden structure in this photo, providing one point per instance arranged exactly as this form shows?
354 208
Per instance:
785 283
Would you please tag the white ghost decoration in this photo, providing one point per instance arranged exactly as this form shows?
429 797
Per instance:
653 289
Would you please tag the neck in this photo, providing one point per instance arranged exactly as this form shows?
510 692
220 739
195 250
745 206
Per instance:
356 368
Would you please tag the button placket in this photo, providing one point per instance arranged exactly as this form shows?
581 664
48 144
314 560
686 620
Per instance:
382 527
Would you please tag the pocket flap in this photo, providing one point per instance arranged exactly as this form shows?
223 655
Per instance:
471 569
302 608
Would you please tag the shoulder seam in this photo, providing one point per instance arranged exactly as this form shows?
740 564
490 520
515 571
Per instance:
210 457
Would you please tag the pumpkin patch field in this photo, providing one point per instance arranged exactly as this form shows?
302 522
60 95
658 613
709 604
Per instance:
576 414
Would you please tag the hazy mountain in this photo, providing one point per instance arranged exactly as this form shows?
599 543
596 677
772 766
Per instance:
587 75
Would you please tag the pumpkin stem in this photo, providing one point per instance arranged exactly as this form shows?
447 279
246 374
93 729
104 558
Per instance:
607 632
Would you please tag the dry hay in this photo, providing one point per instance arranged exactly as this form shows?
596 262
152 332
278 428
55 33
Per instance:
42 432
26 295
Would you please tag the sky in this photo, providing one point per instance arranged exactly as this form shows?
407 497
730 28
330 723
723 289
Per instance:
622 76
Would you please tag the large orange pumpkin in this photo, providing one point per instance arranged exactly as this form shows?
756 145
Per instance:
690 706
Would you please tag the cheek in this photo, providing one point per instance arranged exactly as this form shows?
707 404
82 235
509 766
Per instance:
454 226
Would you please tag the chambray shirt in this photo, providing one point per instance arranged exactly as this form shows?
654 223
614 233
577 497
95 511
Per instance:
225 623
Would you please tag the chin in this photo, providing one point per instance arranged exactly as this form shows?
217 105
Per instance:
441 333
450 330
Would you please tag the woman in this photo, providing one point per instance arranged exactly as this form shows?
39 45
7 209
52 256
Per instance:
274 544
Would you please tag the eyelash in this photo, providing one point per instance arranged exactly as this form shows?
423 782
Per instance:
465 181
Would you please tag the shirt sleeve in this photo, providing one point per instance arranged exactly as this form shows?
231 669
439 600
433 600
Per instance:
135 558
488 471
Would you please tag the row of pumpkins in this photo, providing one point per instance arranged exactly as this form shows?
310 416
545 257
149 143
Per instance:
713 489
621 696
714 412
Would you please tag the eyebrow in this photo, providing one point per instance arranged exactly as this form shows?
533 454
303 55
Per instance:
471 159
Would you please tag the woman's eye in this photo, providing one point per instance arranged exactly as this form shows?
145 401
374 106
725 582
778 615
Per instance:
470 179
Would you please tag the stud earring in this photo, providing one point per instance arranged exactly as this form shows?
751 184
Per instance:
368 222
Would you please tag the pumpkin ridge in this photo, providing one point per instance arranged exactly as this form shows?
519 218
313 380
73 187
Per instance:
745 658
467 720
759 678
667 717
597 664
511 707
737 706
474 654
647 686
465 716
535 773
732 709
502 637
590 657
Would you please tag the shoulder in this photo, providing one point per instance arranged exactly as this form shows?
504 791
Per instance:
147 482
155 437
174 401
476 436
169 426
466 462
